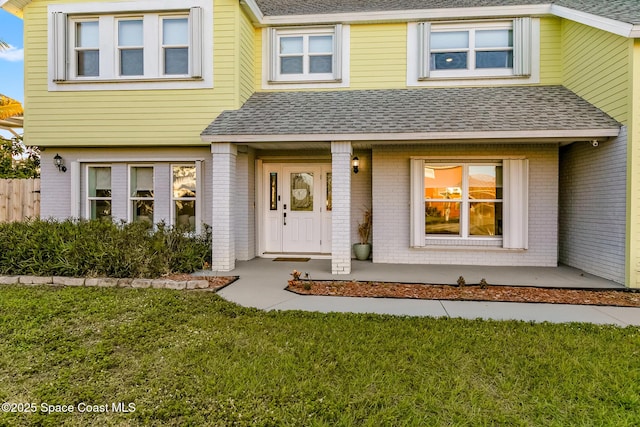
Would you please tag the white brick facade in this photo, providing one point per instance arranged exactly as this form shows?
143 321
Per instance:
57 188
223 188
245 206
391 210
593 207
341 214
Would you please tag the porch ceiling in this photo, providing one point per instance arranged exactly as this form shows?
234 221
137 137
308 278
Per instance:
487 114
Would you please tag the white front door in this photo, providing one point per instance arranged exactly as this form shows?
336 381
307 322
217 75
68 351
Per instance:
297 213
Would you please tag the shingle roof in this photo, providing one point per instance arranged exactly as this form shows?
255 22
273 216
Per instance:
412 111
297 7
619 10
622 10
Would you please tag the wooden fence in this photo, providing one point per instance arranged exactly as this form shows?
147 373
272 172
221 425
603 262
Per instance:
19 199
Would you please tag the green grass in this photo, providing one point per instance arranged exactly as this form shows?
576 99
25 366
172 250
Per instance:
191 358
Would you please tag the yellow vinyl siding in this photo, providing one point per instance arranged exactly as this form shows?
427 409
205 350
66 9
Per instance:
246 57
595 66
127 117
379 56
633 171
550 51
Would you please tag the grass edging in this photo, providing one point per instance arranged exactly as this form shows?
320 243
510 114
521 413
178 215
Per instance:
110 282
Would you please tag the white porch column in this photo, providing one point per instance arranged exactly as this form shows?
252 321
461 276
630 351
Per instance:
223 190
341 209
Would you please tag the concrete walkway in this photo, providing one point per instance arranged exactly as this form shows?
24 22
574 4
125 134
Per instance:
262 282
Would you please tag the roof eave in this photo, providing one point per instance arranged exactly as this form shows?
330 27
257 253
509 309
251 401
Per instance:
540 136
406 15
620 28
14 7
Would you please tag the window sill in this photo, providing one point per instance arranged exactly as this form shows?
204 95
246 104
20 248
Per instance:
471 77
133 80
459 248
310 81
160 83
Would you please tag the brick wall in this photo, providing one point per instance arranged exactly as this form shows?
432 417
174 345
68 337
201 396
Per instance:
57 186
391 210
593 207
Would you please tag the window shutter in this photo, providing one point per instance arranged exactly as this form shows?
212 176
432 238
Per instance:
199 195
516 194
337 52
417 203
272 53
59 54
522 46
195 19
74 176
424 48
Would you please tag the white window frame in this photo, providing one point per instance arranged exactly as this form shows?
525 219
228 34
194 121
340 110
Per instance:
89 198
198 199
526 54
131 199
471 50
464 200
62 59
339 77
118 48
515 190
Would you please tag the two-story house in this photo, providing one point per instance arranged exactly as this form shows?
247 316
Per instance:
494 132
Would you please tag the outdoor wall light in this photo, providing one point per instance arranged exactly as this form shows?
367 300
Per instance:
356 164
59 162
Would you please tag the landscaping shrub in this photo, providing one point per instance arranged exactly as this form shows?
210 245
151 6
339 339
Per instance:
99 248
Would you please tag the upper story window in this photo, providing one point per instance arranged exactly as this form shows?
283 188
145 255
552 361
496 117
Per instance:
95 46
148 46
474 50
305 54
459 51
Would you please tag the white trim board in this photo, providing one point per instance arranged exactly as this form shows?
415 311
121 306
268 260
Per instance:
507 136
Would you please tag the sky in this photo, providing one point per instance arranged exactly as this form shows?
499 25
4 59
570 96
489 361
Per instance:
11 60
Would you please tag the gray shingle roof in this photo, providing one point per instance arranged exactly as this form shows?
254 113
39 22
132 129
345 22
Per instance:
622 10
412 111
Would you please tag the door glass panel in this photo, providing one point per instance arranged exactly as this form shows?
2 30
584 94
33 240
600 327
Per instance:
329 190
273 191
302 191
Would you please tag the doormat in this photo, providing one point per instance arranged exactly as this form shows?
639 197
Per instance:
292 259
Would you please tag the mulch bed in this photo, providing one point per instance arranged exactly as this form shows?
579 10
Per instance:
622 297
215 282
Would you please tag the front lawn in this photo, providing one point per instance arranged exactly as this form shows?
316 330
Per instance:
191 358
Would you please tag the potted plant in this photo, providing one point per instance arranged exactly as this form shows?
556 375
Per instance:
362 250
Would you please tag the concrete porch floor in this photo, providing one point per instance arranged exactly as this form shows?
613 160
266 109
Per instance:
262 282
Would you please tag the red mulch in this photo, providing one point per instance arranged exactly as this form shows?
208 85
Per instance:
466 293
215 283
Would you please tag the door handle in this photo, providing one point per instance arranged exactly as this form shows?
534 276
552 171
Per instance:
285 218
